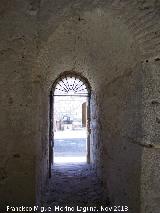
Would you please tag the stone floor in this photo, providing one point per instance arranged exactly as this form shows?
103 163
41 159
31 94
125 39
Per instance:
76 186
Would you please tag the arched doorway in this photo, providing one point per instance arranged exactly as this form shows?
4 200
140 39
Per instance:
69 132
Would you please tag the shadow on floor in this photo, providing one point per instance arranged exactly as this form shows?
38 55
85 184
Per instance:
76 186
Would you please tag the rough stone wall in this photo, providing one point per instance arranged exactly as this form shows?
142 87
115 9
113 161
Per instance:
151 138
96 47
18 50
79 40
122 131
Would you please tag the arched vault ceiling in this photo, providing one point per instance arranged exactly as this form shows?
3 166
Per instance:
140 16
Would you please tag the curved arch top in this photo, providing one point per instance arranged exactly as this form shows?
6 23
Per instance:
71 84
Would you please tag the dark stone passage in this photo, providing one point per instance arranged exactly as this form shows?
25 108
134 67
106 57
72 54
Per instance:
105 54
74 185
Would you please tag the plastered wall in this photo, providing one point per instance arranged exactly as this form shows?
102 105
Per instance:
115 45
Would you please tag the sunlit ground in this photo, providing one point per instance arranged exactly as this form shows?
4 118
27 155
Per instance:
70 134
70 146
81 159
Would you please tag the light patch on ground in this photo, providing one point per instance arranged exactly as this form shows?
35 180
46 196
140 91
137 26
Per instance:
70 146
63 160
70 134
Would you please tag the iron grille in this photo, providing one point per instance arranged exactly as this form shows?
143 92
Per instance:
71 86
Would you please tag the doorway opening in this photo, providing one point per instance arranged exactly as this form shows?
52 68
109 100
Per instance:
70 119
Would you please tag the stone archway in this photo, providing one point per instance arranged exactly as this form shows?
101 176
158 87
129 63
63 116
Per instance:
115 44
133 23
69 84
